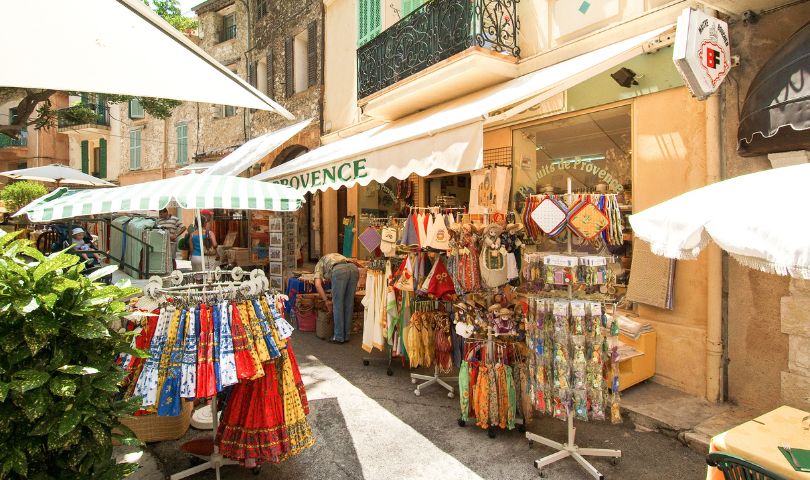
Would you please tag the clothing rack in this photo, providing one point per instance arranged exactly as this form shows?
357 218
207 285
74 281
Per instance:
570 448
490 344
154 289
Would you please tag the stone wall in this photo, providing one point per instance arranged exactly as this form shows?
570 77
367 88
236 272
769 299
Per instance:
286 20
767 315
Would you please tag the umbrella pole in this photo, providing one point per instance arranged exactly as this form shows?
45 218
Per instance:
202 243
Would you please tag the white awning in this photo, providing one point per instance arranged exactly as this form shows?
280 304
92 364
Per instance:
254 150
448 136
114 46
197 167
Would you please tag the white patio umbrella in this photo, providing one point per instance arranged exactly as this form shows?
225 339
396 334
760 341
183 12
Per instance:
757 218
58 174
114 46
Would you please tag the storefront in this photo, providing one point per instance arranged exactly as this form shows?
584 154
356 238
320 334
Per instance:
646 143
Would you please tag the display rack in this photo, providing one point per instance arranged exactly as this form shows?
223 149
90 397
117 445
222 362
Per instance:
389 352
570 448
155 288
431 379
490 349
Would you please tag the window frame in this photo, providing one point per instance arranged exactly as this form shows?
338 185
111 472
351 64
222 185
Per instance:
137 112
135 132
228 32
181 160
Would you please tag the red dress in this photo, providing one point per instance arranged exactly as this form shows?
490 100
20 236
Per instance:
206 381
297 375
251 429
245 367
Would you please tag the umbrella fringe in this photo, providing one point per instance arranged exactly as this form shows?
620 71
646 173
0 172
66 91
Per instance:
668 251
766 266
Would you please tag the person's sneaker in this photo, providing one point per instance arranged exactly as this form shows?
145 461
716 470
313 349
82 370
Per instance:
333 340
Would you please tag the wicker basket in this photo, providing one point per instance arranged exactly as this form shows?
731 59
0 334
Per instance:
154 428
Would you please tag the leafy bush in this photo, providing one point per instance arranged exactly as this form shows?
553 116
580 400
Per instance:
58 379
19 194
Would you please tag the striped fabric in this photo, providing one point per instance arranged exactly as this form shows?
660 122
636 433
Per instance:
187 191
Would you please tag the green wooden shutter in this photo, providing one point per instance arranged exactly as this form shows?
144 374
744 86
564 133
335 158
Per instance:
182 144
409 6
102 158
135 149
312 54
369 20
85 156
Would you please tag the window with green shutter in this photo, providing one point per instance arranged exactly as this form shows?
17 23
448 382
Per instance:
102 158
135 149
135 109
182 144
409 6
85 156
369 20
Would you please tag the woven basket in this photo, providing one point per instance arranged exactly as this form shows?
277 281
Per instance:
154 428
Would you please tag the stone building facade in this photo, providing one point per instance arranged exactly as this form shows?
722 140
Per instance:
287 65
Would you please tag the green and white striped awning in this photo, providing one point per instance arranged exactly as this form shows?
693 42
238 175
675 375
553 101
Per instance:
187 191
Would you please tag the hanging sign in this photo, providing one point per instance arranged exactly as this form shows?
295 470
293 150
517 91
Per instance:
701 53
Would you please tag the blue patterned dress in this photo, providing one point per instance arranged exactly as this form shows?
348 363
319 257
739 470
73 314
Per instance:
188 369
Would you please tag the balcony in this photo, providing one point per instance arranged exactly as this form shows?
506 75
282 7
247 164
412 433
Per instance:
7 142
443 49
76 119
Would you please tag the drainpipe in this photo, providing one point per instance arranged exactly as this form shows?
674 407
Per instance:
714 342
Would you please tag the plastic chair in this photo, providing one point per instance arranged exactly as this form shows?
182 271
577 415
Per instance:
736 468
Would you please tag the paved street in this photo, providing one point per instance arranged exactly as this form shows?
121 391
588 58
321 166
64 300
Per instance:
372 426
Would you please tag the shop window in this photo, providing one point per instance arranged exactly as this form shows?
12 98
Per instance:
381 201
593 150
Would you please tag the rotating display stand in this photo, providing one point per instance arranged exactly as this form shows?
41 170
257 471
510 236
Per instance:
431 379
570 448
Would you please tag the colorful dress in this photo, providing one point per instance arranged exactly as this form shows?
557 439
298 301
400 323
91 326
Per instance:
170 403
295 417
254 330
188 370
245 368
266 332
252 429
147 385
206 382
227 360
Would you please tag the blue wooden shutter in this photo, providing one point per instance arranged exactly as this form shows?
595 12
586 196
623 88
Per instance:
102 158
369 20
85 156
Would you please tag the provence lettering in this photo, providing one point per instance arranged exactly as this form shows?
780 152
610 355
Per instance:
344 172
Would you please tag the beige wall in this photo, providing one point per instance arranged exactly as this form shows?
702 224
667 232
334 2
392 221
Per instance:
758 343
340 65
669 158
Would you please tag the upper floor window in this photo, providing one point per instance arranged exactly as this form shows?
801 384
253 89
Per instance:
409 6
228 27
135 149
369 20
12 115
301 60
135 109
182 144
261 8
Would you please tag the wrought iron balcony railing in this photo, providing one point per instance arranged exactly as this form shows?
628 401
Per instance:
66 119
434 32
21 141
